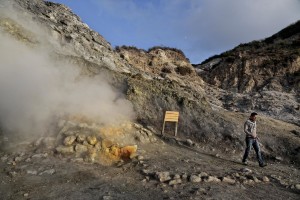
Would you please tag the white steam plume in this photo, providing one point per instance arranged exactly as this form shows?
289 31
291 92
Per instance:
34 89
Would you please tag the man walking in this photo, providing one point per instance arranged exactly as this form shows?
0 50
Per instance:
252 140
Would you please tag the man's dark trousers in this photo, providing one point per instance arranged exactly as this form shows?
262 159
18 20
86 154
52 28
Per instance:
253 142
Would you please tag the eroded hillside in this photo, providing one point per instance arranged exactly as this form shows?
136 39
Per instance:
80 105
260 75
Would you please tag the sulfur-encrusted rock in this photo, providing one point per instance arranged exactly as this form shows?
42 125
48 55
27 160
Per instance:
98 146
69 140
175 182
91 139
79 148
65 149
80 138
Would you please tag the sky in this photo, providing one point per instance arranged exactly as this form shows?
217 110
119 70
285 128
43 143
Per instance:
200 28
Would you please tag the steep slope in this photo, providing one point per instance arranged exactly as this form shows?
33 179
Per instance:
153 81
150 92
260 75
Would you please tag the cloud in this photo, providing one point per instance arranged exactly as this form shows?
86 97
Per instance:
199 28
224 24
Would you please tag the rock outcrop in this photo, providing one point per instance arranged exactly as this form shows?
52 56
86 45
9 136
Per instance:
259 76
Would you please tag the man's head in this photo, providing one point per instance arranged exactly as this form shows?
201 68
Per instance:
253 116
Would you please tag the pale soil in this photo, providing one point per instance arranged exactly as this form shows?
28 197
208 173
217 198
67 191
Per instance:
73 180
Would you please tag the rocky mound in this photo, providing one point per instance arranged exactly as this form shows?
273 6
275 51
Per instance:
157 60
270 64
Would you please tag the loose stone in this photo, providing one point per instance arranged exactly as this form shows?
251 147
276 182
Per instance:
163 176
194 179
69 140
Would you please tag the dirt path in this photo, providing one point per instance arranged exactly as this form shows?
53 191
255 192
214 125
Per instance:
47 176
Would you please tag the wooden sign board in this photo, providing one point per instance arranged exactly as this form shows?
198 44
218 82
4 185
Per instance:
171 116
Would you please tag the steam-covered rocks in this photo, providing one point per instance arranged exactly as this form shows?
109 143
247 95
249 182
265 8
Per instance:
96 143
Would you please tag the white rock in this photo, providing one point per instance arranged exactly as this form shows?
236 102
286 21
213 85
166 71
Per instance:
18 159
49 171
140 157
194 179
184 176
212 179
265 179
32 172
175 182
107 198
256 180
246 170
250 182
228 180
203 174
163 176
297 186
148 132
40 155
4 158
153 139
189 142
278 158
12 174
176 176
146 172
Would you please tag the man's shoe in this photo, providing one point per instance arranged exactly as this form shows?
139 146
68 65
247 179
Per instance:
245 162
263 165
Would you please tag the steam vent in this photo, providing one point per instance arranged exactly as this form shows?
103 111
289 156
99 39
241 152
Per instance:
106 145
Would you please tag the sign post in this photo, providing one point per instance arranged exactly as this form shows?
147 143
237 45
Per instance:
171 116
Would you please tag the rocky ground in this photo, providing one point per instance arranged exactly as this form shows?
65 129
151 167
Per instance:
168 168
83 159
